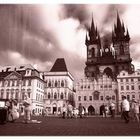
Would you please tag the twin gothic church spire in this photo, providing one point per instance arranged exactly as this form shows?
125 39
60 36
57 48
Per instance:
119 33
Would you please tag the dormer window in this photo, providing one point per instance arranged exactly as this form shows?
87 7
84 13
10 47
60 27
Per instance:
28 72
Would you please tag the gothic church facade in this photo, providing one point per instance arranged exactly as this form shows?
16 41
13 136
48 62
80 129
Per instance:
104 62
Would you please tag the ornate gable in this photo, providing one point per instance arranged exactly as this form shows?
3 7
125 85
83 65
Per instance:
13 75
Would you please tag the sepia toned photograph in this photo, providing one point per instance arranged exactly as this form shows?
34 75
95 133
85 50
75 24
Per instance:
70 69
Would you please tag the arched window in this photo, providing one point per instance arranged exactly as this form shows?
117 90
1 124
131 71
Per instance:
92 52
61 96
62 83
121 50
55 95
49 96
108 72
113 97
49 84
56 84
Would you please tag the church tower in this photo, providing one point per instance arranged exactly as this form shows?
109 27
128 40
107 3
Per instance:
108 58
93 44
120 41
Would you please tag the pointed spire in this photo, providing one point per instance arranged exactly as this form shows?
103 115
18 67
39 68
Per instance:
118 21
99 40
96 31
93 27
123 29
115 28
127 35
112 35
86 41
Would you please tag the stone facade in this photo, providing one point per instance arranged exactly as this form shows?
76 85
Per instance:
59 87
15 81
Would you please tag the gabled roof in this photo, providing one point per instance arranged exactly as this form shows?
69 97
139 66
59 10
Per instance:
13 75
59 66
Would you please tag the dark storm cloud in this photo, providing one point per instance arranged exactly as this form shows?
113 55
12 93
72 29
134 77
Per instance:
77 11
20 21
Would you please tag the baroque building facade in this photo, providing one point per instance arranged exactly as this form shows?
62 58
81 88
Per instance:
104 62
129 85
59 87
15 81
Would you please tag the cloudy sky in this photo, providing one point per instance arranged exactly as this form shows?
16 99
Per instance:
39 34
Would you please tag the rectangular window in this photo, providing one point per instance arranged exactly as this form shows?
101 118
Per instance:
132 87
127 80
96 96
17 82
122 88
2 83
13 82
128 97
24 82
121 80
127 87
122 96
7 95
90 98
2 95
102 98
16 96
132 80
85 98
79 98
29 82
133 96
138 79
8 83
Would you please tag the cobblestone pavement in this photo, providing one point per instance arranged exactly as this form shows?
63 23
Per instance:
54 126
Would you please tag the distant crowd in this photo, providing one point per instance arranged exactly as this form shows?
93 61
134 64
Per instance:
129 110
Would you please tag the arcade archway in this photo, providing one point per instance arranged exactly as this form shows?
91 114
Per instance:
91 110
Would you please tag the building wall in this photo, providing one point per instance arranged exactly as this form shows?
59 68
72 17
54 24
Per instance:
30 82
58 91
129 85
100 91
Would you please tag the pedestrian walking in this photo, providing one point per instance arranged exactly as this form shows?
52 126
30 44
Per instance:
80 108
112 108
69 110
135 110
125 109
13 111
27 108
75 113
103 111
64 111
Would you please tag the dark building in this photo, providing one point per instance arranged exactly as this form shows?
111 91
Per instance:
108 56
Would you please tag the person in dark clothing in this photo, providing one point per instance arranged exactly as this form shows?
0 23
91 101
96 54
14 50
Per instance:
80 108
103 110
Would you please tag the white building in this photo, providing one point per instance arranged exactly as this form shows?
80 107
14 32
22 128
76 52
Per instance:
59 87
15 81
129 85
92 94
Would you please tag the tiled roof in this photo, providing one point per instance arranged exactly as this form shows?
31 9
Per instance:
16 67
59 66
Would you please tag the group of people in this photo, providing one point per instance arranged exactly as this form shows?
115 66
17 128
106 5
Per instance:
13 112
108 109
70 112
130 110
